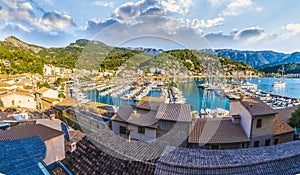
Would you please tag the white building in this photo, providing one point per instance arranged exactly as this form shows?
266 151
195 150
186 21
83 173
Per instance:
21 99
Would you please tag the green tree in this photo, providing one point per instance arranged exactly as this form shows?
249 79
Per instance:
44 85
295 119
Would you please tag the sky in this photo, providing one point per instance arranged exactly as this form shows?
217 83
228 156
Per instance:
167 24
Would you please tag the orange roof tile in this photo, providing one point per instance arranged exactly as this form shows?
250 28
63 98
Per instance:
280 127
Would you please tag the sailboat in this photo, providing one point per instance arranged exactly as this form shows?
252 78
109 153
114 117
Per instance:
280 83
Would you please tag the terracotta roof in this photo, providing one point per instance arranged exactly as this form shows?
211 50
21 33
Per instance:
219 130
50 100
88 158
120 147
65 104
151 103
21 132
286 113
140 117
2 84
42 90
23 93
148 105
257 107
174 112
276 159
123 113
281 127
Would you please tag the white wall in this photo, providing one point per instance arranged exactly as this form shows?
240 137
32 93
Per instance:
116 126
237 108
24 101
55 149
50 93
149 136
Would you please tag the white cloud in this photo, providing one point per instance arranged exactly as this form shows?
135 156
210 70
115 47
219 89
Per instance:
57 20
177 6
18 27
26 5
237 7
293 27
104 3
199 24
217 2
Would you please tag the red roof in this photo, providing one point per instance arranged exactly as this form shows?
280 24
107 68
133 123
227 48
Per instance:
174 112
26 131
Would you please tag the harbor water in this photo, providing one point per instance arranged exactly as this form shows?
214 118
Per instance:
203 99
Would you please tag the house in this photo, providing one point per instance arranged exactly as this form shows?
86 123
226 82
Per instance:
218 133
22 156
60 107
46 98
154 121
260 122
19 98
53 139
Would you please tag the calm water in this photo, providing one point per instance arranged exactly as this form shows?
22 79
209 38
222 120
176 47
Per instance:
292 88
199 98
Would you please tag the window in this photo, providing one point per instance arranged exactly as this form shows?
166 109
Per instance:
182 136
165 126
122 130
276 141
256 144
258 123
141 130
214 146
267 142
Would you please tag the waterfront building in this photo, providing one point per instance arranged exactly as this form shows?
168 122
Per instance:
260 122
152 120
218 133
46 98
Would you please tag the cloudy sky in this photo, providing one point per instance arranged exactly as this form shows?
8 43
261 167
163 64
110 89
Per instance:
237 24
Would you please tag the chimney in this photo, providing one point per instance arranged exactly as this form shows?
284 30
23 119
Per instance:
250 104
236 118
242 96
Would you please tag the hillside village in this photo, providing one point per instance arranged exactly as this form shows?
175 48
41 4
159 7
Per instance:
66 134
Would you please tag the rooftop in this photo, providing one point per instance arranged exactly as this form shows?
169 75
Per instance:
276 159
121 147
22 156
129 114
219 130
257 107
286 113
281 127
89 159
42 90
26 131
174 112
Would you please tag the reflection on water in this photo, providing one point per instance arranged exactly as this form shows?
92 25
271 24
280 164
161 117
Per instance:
292 88
202 99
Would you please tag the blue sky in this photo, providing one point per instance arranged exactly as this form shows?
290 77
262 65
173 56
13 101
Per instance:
238 24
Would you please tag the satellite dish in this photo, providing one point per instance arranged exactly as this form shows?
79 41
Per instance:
65 129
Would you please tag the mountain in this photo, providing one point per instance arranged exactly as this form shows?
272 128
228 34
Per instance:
256 59
17 56
289 68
